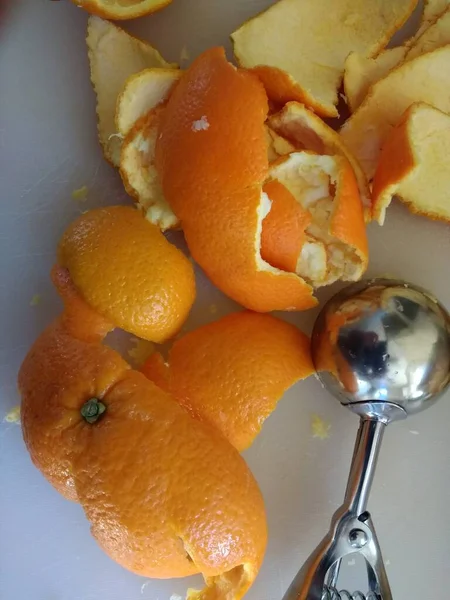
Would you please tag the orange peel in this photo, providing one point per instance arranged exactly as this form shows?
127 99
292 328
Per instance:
306 131
117 10
298 48
211 156
232 373
127 271
413 164
361 72
98 463
139 174
331 232
423 79
142 92
114 55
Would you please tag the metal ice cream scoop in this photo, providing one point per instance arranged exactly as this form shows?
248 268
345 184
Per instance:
382 348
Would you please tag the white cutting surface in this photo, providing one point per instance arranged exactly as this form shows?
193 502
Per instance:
48 148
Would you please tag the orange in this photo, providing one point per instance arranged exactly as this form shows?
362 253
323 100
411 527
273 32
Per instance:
211 156
119 10
106 436
231 373
127 271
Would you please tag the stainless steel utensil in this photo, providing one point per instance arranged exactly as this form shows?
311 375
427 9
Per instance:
382 348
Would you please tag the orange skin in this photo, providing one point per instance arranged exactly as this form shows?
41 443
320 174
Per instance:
107 11
283 232
127 271
213 180
282 88
143 499
232 373
347 223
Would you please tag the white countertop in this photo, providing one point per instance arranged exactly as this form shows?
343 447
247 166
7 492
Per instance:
48 148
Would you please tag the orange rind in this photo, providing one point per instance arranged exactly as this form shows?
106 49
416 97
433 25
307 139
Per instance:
139 174
114 55
141 93
127 271
423 79
413 165
211 156
232 373
306 131
298 47
118 10
361 72
333 243
141 450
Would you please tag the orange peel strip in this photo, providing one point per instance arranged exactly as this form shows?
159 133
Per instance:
413 164
306 131
127 271
119 11
232 373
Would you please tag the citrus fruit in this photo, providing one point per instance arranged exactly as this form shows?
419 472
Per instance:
413 164
306 131
106 436
121 9
114 55
127 271
298 47
232 372
423 79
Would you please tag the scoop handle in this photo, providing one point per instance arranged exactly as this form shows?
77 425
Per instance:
351 528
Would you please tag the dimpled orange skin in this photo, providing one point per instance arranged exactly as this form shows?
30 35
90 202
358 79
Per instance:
58 370
232 372
163 492
212 178
128 272
283 231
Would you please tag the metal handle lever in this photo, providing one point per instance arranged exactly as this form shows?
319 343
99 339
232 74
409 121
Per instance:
351 528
